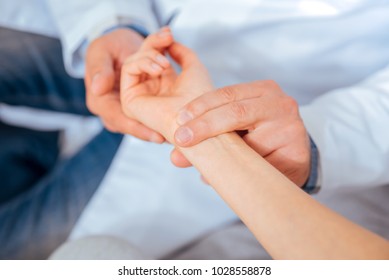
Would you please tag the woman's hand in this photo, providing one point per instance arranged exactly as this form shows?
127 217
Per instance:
152 92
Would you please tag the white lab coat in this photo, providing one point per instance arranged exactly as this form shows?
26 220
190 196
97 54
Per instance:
329 55
74 21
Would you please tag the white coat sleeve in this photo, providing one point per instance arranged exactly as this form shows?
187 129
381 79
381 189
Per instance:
350 127
77 20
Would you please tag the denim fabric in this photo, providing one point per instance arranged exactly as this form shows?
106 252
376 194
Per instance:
32 74
36 222
25 156
39 209
312 186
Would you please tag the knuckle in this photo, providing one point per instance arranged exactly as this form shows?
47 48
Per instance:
130 60
238 111
290 105
258 86
266 84
300 128
291 102
270 84
196 108
297 150
147 61
201 126
150 53
299 156
228 94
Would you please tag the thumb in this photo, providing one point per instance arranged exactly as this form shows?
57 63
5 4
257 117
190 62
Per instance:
178 159
103 81
100 72
184 56
195 76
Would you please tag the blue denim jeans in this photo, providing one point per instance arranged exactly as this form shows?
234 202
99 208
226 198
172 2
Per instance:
39 216
25 157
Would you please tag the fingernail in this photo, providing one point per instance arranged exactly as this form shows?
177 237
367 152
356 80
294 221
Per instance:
162 59
163 32
184 117
184 135
156 67
156 138
94 87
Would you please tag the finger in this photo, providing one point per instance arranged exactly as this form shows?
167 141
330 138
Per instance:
151 62
297 169
269 137
154 55
191 67
217 98
151 55
241 115
158 41
102 82
184 56
178 159
266 138
100 73
145 65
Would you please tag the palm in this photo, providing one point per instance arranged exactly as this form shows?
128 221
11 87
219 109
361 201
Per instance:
155 101
158 86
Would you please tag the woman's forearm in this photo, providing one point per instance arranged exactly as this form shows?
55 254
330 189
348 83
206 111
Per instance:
287 221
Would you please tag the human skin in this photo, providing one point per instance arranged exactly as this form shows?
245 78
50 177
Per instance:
287 221
104 59
270 118
290 155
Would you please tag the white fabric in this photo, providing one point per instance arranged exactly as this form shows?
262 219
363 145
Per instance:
73 21
97 248
353 153
77 130
151 203
28 15
309 47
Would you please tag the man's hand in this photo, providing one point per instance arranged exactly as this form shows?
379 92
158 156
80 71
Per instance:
268 116
104 60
